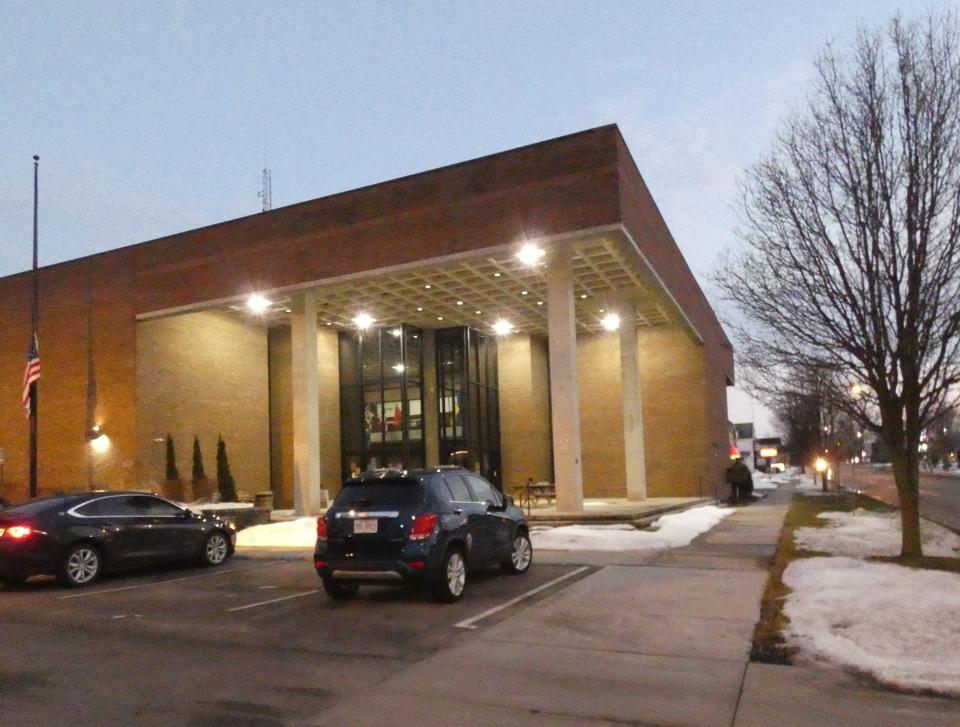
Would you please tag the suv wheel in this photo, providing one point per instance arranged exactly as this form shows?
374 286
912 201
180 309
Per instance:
339 591
520 557
452 581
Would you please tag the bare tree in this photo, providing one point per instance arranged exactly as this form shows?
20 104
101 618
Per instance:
851 260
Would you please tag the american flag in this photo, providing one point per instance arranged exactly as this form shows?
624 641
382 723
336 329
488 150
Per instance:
32 372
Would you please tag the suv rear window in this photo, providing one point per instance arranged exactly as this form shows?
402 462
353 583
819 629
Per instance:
380 492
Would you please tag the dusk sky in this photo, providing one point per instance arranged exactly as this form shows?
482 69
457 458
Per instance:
154 118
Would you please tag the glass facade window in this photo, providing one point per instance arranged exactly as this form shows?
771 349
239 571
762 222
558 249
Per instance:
468 403
381 399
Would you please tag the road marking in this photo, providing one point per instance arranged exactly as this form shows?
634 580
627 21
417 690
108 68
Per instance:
85 594
469 623
272 600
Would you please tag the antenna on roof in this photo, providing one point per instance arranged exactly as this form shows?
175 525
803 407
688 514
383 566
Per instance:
266 191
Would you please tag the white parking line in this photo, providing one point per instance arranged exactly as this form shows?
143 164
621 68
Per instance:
272 600
469 623
86 594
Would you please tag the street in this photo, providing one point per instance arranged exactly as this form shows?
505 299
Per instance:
254 642
939 494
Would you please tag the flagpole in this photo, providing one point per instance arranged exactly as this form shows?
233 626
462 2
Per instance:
35 387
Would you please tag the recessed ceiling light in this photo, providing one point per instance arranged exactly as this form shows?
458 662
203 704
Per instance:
478 312
257 303
583 296
523 292
288 310
395 332
539 302
496 275
419 310
530 254
600 310
611 321
439 318
427 287
363 320
502 327
459 302
329 323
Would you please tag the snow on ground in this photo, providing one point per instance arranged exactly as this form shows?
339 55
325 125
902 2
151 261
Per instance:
863 533
299 533
765 483
208 506
897 624
672 531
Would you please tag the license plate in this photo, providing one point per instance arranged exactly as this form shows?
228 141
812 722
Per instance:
365 526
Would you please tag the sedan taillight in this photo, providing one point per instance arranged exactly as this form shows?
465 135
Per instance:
18 532
322 528
423 526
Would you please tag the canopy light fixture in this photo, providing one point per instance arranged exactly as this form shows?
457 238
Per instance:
363 321
530 254
258 303
610 322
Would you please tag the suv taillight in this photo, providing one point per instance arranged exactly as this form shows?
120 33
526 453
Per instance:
322 528
423 526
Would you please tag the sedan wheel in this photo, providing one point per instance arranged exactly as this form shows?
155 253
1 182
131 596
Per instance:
453 577
215 549
520 557
80 566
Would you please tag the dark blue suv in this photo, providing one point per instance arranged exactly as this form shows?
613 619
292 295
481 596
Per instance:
429 526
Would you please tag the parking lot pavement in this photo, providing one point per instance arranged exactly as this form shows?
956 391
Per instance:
254 642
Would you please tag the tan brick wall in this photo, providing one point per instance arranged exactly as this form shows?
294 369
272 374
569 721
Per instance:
601 415
328 361
676 432
281 418
204 374
524 410
64 345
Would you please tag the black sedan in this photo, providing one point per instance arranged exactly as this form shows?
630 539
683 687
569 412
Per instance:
78 537
428 526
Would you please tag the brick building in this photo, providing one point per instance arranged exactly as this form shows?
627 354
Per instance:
466 314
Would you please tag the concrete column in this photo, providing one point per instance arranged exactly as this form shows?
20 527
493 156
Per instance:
633 451
564 394
431 427
306 405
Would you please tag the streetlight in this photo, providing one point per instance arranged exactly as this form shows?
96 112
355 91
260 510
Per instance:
821 465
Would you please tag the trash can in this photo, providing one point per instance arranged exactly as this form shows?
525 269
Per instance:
263 499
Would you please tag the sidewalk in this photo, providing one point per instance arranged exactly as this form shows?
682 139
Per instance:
655 639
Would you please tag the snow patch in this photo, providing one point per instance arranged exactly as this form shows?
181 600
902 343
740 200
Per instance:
299 533
895 623
209 506
672 531
863 533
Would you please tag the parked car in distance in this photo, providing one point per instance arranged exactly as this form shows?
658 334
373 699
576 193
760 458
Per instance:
429 526
78 537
